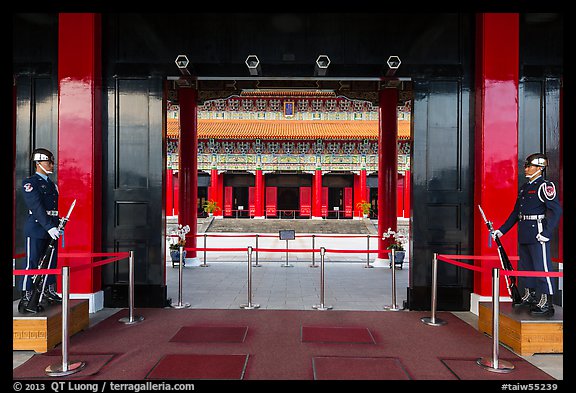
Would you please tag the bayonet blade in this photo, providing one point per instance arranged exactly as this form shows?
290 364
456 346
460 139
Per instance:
70 210
482 212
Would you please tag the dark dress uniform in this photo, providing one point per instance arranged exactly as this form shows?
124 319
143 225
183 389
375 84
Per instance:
537 211
41 197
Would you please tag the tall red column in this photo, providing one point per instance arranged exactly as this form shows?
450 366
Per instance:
188 165
387 166
213 189
496 136
169 192
407 189
363 189
79 141
259 195
317 203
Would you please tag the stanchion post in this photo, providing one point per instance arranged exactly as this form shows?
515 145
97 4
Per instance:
180 275
65 368
204 264
256 263
313 253
131 319
393 306
249 305
321 306
432 320
368 252
495 365
287 264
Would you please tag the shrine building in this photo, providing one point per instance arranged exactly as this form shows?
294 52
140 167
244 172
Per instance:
263 154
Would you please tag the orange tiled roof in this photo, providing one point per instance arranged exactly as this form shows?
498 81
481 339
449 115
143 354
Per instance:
288 129
288 93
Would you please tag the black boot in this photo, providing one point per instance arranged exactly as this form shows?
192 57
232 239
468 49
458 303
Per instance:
529 298
50 294
23 304
544 308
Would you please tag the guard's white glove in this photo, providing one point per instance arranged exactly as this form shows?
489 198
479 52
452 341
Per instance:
541 238
54 233
496 234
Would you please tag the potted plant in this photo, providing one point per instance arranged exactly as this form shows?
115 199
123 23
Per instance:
397 245
176 243
210 206
365 207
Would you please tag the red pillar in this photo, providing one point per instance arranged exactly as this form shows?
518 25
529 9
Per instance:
259 195
79 141
212 190
357 197
496 136
188 165
220 195
317 204
169 193
387 165
407 195
363 189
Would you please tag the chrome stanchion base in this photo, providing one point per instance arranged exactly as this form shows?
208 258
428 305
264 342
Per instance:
368 266
435 322
249 306
392 307
488 364
313 265
287 265
57 370
322 307
204 265
177 305
257 265
128 321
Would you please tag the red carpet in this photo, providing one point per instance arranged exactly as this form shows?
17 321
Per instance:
36 365
468 369
402 347
200 367
208 334
336 335
345 368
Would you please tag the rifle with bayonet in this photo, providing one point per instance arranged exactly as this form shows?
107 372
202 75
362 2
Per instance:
38 280
505 262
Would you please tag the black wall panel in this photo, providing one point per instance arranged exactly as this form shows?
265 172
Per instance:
441 192
134 168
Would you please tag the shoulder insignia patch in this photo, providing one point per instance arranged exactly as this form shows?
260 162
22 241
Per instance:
549 190
28 187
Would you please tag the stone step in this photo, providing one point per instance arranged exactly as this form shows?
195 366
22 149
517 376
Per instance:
300 226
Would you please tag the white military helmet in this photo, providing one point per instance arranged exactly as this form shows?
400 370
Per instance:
42 154
537 159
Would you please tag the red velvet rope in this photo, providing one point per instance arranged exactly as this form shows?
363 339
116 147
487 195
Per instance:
358 251
284 250
448 258
276 236
115 257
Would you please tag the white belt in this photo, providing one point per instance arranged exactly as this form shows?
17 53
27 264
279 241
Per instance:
523 217
49 212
